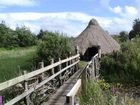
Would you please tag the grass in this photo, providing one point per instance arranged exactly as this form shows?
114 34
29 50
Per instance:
14 62
95 94
82 64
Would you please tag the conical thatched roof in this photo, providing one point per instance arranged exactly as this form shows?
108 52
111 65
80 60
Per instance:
94 35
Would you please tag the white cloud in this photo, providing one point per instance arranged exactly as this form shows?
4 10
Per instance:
131 10
62 21
18 2
72 23
125 18
116 9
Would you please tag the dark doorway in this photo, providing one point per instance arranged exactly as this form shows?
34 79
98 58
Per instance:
90 52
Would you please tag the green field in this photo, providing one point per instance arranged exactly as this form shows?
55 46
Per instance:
14 62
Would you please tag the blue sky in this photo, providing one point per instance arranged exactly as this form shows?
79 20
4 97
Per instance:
70 16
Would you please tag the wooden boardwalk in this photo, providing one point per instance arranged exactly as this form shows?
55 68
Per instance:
39 83
59 98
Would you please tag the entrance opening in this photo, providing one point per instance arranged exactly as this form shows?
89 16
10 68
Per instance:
90 52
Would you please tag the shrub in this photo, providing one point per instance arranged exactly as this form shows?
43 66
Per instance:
123 65
96 93
25 37
22 37
54 46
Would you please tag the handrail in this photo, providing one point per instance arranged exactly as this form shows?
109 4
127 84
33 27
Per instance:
24 77
24 94
70 96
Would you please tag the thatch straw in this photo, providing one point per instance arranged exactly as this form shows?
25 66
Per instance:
94 35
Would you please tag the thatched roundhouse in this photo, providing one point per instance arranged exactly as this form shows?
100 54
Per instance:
93 39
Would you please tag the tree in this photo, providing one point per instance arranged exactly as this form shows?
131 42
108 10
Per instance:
123 36
136 25
55 46
6 35
41 34
123 65
22 37
25 37
136 29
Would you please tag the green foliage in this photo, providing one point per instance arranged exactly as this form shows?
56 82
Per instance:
54 46
101 93
122 37
14 62
94 95
41 34
21 37
82 64
123 66
136 29
25 37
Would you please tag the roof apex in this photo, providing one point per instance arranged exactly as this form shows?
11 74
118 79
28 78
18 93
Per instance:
93 22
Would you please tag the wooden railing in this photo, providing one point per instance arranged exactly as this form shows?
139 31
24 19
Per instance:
91 71
70 97
92 68
41 80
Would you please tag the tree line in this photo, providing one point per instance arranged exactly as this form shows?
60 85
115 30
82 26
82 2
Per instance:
124 65
20 37
49 44
135 32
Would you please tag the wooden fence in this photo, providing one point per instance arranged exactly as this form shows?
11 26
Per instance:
39 80
91 71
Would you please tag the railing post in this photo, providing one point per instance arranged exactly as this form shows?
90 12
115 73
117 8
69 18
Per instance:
93 68
52 61
42 77
52 70
99 53
27 99
72 61
77 50
70 97
67 62
60 76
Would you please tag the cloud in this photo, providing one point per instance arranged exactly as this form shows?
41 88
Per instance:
131 10
125 17
18 2
116 9
71 23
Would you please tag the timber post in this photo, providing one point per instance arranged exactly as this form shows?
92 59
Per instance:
93 68
42 77
60 76
77 52
99 53
52 62
27 99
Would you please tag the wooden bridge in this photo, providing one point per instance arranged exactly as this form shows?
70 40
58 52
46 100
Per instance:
56 84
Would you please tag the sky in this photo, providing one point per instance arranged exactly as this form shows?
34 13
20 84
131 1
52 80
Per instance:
70 16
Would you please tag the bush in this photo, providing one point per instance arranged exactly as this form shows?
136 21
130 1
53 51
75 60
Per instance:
96 94
22 37
123 65
25 37
54 46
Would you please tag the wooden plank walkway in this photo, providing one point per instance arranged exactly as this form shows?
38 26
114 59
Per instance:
59 98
